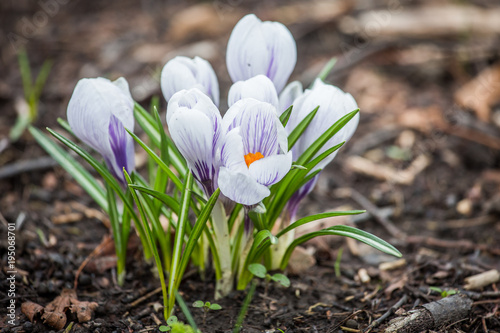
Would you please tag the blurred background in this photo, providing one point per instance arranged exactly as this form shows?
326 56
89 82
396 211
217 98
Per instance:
424 161
426 75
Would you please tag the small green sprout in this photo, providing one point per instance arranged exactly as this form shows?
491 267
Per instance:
175 326
444 293
32 91
207 306
261 271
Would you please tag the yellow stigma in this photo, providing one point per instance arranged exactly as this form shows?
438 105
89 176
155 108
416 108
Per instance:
250 158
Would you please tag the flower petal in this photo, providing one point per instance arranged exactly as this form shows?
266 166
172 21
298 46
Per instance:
232 154
259 87
258 127
287 97
241 187
272 169
97 108
193 133
334 104
122 147
257 47
185 73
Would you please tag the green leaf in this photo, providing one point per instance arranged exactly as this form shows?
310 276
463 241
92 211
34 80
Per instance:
316 217
346 231
149 125
158 160
258 270
215 306
327 135
165 198
176 268
185 311
281 279
172 320
75 169
64 124
301 127
198 228
198 304
327 69
285 116
164 328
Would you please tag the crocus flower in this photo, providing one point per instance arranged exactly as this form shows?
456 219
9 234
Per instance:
291 92
257 47
259 87
98 112
185 73
254 154
195 126
333 105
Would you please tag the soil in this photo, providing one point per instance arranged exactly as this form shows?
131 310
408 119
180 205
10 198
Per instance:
443 216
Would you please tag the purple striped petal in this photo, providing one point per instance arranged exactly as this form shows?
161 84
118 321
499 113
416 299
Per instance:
97 112
257 47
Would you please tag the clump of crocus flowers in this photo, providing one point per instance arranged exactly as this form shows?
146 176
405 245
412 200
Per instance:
251 167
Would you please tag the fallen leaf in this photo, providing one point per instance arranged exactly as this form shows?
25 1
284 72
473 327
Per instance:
481 93
54 314
30 309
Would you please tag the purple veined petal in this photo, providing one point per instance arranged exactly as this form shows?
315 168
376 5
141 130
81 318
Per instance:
270 170
232 154
193 133
98 106
334 104
257 47
192 99
287 97
184 73
241 187
259 87
259 129
122 148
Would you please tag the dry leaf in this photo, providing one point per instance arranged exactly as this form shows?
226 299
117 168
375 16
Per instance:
54 314
481 93
31 309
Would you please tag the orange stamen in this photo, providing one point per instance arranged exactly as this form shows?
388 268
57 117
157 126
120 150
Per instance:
250 158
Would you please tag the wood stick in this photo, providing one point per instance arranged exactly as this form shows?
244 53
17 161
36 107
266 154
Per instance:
432 315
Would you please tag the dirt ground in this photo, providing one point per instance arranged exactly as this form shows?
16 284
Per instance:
424 162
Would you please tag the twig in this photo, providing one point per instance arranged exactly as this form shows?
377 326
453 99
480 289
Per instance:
373 210
27 166
389 312
457 244
91 256
432 315
145 297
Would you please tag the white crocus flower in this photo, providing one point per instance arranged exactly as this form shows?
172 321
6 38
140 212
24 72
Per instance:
254 154
257 47
195 125
333 105
185 73
291 92
98 112
259 87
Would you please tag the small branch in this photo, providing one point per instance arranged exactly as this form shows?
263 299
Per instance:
388 313
432 316
17 168
372 209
